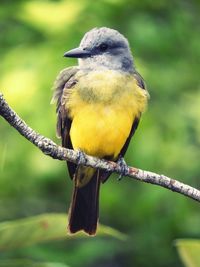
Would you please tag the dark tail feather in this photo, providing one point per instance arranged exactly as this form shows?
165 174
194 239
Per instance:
84 209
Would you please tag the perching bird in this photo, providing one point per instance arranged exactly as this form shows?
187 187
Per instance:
99 104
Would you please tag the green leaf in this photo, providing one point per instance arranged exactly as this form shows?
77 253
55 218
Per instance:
189 251
29 263
40 228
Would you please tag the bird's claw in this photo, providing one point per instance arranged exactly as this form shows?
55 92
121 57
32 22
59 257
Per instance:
124 168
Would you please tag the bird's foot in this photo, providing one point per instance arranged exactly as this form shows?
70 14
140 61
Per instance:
81 159
123 166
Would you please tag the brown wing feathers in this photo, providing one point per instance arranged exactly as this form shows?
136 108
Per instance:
64 81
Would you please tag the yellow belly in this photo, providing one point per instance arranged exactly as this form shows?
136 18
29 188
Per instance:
101 130
102 107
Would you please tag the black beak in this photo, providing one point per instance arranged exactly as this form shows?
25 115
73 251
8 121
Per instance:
78 53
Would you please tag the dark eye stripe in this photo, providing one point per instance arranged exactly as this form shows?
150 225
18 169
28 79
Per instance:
103 47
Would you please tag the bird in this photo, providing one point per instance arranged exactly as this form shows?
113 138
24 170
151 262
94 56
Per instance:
99 105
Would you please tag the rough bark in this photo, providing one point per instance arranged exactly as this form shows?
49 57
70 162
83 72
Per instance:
55 151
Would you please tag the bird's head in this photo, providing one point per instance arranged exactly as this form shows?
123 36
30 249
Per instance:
103 48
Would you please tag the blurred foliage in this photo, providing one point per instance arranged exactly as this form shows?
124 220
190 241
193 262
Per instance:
164 37
42 228
189 250
29 263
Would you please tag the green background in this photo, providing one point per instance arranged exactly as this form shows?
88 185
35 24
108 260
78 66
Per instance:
165 41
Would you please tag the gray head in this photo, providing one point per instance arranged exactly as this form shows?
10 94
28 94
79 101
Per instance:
103 48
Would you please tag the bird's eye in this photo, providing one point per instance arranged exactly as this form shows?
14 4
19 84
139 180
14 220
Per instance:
103 47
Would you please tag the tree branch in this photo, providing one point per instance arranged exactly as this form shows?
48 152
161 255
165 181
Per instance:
49 148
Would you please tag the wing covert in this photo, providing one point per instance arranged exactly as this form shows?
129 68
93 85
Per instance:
65 80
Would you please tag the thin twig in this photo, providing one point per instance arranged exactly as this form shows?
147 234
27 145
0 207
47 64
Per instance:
49 148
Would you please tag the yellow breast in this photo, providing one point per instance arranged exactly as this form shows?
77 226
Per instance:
103 106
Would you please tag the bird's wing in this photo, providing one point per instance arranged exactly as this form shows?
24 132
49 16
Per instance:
141 84
64 81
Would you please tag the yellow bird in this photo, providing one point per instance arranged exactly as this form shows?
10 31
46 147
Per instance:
99 105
